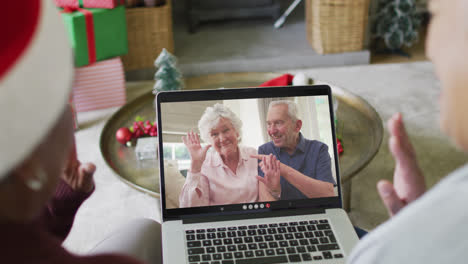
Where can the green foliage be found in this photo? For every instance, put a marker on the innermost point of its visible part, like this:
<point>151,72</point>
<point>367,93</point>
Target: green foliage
<point>168,77</point>
<point>397,23</point>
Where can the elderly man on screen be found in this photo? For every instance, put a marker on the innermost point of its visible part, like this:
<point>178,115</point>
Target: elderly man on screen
<point>292,167</point>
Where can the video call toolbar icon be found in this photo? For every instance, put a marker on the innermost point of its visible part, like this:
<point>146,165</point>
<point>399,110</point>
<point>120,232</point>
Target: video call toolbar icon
<point>255,206</point>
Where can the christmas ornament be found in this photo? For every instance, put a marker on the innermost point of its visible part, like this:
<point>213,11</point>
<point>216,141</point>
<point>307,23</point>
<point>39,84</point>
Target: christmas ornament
<point>340,147</point>
<point>140,128</point>
<point>397,23</point>
<point>123,135</point>
<point>168,77</point>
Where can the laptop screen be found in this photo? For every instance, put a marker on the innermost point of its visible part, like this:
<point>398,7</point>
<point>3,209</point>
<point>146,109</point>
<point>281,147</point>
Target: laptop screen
<point>247,150</point>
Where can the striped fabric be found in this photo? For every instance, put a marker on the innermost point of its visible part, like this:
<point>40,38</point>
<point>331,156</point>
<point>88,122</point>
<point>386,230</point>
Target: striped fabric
<point>100,85</point>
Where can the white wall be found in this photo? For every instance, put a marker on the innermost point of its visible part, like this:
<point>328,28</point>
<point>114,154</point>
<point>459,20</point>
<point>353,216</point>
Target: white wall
<point>247,111</point>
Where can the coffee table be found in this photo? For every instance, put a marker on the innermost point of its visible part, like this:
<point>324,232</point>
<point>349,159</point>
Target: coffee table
<point>359,125</point>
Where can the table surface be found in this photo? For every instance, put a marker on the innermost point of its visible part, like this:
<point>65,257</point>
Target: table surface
<point>409,88</point>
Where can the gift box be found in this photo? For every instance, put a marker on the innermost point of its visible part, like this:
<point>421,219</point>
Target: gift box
<point>100,85</point>
<point>96,34</point>
<point>89,3</point>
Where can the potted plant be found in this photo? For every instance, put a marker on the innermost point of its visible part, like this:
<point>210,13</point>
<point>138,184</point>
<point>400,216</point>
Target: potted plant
<point>396,23</point>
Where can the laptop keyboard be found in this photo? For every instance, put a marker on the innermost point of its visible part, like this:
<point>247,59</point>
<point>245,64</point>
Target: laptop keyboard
<point>263,243</point>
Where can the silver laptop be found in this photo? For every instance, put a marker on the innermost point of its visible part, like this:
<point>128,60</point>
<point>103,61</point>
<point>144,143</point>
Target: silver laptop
<point>293,226</point>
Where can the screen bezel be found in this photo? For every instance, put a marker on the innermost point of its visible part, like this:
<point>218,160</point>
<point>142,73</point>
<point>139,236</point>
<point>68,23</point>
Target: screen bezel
<point>245,93</point>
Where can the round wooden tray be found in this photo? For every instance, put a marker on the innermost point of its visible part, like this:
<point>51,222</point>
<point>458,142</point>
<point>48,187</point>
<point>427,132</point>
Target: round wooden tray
<point>360,126</point>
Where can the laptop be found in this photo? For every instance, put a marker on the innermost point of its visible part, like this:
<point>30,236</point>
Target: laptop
<point>287,230</point>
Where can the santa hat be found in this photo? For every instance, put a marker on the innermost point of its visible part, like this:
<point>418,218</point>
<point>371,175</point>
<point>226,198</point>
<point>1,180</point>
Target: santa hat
<point>36,71</point>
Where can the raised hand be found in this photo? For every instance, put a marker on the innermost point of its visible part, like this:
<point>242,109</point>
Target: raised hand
<point>408,179</point>
<point>196,151</point>
<point>77,175</point>
<point>270,167</point>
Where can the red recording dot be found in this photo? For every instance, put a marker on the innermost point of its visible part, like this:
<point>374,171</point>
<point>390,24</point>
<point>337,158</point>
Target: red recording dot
<point>267,205</point>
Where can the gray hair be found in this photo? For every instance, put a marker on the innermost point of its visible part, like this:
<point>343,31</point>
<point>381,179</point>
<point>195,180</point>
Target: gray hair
<point>292,108</point>
<point>211,118</point>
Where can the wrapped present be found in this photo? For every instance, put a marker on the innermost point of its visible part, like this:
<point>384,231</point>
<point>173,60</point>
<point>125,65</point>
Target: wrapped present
<point>96,34</point>
<point>100,85</point>
<point>89,3</point>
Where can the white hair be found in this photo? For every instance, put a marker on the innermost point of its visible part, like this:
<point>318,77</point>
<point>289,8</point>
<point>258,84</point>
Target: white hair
<point>211,118</point>
<point>292,108</point>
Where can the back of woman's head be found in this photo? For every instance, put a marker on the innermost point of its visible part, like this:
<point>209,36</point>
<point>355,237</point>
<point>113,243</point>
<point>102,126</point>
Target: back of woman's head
<point>36,71</point>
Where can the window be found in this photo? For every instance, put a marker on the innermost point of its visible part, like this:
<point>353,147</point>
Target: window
<point>177,151</point>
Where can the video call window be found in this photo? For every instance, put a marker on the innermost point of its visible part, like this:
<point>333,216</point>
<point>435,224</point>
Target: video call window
<point>217,181</point>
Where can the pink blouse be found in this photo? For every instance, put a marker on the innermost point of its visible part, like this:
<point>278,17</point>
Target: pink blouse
<point>217,183</point>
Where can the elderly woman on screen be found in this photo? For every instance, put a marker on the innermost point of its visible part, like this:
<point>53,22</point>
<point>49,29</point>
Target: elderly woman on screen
<point>226,175</point>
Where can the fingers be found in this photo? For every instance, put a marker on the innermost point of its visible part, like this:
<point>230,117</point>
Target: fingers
<point>196,139</point>
<point>258,156</point>
<point>399,136</point>
<point>266,161</point>
<point>389,197</point>
<point>188,139</point>
<point>261,179</point>
<point>273,162</point>
<point>87,169</point>
<point>191,137</point>
<point>262,166</point>
<point>85,177</point>
<point>408,180</point>
<point>392,124</point>
<point>72,163</point>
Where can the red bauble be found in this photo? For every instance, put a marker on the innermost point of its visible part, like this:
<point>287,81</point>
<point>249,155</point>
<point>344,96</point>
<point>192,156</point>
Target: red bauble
<point>123,135</point>
<point>340,147</point>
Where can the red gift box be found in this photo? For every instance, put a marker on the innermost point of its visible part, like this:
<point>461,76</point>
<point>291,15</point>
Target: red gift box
<point>100,85</point>
<point>88,3</point>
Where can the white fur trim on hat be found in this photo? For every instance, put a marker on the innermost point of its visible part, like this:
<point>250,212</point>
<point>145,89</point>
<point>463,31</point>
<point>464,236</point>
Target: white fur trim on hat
<point>35,91</point>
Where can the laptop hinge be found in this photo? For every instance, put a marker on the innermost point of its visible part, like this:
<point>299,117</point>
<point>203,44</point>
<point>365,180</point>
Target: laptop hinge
<point>230,217</point>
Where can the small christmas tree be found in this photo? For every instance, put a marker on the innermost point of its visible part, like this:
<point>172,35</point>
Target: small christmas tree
<point>397,23</point>
<point>168,77</point>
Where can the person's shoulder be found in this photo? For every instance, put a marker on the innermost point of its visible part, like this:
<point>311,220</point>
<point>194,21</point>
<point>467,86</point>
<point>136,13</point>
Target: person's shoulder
<point>442,207</point>
<point>316,144</point>
<point>266,147</point>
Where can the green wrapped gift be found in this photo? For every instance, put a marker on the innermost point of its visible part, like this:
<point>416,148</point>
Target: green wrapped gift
<point>96,34</point>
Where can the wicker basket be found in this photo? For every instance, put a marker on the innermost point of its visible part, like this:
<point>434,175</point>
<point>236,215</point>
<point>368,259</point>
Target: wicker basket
<point>335,26</point>
<point>149,31</point>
